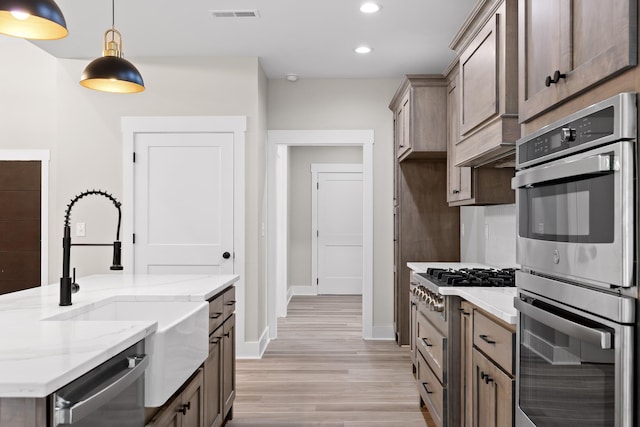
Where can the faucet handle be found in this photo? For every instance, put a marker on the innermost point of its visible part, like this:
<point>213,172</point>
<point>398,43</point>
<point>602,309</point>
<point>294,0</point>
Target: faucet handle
<point>74,286</point>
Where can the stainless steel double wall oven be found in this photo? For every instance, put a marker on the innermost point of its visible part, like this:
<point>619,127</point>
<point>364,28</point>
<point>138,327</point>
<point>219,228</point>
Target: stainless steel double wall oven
<point>576,196</point>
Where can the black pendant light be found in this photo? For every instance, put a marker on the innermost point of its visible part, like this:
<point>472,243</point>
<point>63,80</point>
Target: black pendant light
<point>111,72</point>
<point>32,19</point>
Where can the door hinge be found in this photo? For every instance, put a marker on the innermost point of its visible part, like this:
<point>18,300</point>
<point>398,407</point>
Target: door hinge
<point>317,281</point>
<point>134,157</point>
<point>134,238</point>
<point>317,185</point>
<point>317,233</point>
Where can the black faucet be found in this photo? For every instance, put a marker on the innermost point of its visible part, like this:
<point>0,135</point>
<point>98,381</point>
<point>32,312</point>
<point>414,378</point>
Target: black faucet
<point>68,286</point>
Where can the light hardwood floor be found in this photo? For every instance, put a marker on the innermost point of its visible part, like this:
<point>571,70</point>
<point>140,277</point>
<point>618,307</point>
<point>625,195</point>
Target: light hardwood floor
<point>320,372</point>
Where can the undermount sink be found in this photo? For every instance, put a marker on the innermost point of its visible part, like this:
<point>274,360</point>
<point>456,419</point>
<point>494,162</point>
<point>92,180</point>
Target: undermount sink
<point>175,350</point>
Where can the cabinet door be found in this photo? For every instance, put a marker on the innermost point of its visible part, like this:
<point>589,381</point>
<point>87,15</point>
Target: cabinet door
<point>466,364</point>
<point>213,381</point>
<point>171,415</point>
<point>192,402</point>
<point>492,394</point>
<point>479,75</point>
<point>403,123</point>
<point>228,364</point>
<point>587,41</point>
<point>459,178</point>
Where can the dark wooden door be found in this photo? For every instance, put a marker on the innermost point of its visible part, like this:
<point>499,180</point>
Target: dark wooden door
<point>20,221</point>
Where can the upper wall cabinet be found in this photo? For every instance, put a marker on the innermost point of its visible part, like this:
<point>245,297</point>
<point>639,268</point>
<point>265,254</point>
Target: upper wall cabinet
<point>418,117</point>
<point>488,83</point>
<point>466,185</point>
<point>566,47</point>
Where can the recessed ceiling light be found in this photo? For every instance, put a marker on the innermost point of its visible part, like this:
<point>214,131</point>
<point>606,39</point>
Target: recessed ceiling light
<point>362,49</point>
<point>369,8</point>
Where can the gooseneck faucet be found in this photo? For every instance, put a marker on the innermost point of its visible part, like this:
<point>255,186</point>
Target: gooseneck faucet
<point>67,285</point>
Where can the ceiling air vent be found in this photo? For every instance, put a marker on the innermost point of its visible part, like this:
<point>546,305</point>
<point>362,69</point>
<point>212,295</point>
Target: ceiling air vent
<point>235,13</point>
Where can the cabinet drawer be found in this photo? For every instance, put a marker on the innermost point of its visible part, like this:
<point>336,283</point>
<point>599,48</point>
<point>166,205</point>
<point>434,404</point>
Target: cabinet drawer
<point>229,301</point>
<point>431,391</point>
<point>216,313</point>
<point>432,344</point>
<point>494,340</point>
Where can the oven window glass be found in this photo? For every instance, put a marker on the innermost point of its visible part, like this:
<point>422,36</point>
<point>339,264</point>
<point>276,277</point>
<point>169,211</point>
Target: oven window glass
<point>563,380</point>
<point>579,211</point>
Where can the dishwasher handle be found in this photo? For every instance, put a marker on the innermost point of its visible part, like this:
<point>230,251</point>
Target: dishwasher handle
<point>66,412</point>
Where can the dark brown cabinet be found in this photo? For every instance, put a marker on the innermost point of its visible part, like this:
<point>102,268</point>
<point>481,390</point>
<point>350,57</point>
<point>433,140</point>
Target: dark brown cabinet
<point>418,116</point>
<point>567,47</point>
<point>466,185</point>
<point>184,409</point>
<point>487,86</point>
<point>220,366</point>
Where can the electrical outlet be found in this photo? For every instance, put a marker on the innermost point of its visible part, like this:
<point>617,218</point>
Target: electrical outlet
<point>80,229</point>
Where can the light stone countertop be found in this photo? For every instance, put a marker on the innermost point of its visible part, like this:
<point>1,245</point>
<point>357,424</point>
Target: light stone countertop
<point>38,356</point>
<point>497,301</point>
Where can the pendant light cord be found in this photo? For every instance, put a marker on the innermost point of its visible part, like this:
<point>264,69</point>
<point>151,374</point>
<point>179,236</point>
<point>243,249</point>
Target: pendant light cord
<point>113,14</point>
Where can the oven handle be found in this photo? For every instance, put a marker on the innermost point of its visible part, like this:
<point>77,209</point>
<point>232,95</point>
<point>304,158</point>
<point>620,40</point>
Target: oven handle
<point>594,336</point>
<point>601,163</point>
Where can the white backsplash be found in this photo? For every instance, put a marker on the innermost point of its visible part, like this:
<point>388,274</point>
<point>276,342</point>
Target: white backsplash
<point>488,235</point>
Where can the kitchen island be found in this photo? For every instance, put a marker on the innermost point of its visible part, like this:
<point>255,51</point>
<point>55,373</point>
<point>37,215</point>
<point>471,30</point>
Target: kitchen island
<point>42,350</point>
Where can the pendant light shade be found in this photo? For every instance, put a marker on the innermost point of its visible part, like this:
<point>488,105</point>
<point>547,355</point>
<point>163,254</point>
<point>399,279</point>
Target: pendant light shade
<point>111,72</point>
<point>32,19</point>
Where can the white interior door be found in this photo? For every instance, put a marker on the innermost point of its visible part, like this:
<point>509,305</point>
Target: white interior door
<point>183,192</point>
<point>339,232</point>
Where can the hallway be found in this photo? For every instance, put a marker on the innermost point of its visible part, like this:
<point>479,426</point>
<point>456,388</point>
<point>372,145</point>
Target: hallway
<point>319,372</point>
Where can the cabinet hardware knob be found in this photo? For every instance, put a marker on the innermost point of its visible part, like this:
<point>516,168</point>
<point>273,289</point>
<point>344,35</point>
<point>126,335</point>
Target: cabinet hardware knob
<point>487,340</point>
<point>226,255</point>
<point>426,388</point>
<point>487,379</point>
<point>227,334</point>
<point>557,75</point>
<point>456,191</point>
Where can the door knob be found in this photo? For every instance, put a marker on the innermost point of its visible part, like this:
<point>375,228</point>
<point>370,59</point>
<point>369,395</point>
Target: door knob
<point>226,255</point>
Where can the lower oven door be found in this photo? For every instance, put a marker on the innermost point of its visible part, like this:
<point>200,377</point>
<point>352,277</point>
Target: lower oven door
<point>573,368</point>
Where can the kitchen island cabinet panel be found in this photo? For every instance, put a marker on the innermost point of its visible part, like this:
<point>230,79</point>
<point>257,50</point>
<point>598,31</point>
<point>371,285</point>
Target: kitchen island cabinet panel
<point>184,409</point>
<point>23,412</point>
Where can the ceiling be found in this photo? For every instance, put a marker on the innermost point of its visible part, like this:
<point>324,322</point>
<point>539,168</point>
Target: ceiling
<point>310,39</point>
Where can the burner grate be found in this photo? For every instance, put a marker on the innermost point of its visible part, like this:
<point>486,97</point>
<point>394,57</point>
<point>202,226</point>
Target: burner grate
<point>485,277</point>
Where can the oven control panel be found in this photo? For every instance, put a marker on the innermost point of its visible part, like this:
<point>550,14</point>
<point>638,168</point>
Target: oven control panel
<point>584,130</point>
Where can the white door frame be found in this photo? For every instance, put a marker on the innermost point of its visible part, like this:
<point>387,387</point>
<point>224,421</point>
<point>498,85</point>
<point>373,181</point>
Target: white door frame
<point>210,124</point>
<point>43,157</point>
<point>317,168</point>
<point>276,261</point>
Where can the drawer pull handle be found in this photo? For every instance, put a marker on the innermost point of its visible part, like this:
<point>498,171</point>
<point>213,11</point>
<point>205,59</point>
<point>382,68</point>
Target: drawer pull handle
<point>227,334</point>
<point>215,315</point>
<point>465,313</point>
<point>185,408</point>
<point>230,303</point>
<point>487,379</point>
<point>214,341</point>
<point>426,342</point>
<point>487,340</point>
<point>424,385</point>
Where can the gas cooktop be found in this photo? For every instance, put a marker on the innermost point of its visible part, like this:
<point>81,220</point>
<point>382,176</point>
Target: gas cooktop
<point>484,277</point>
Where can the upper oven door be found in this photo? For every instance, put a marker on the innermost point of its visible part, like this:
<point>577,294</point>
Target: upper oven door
<point>576,216</point>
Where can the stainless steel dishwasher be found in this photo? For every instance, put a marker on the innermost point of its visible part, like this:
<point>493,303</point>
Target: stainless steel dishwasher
<point>111,394</point>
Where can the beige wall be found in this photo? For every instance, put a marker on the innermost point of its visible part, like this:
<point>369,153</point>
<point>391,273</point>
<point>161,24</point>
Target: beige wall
<point>300,160</point>
<point>351,104</point>
<point>43,106</point>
